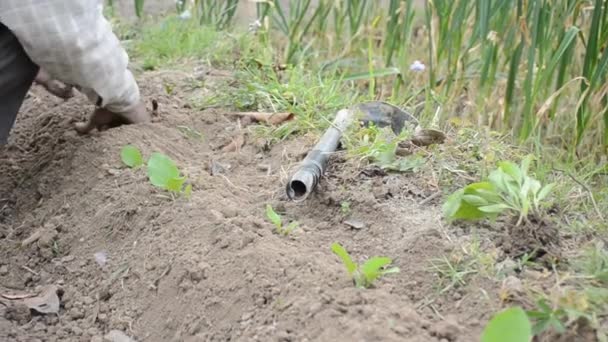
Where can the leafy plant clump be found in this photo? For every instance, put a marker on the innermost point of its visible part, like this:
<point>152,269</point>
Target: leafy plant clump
<point>276,219</point>
<point>510,325</point>
<point>162,171</point>
<point>364,275</point>
<point>508,189</point>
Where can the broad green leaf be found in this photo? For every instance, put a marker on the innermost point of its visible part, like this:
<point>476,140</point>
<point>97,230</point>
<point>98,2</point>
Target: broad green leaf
<point>372,268</point>
<point>467,211</point>
<point>475,200</point>
<point>512,170</point>
<point>494,208</point>
<point>474,187</point>
<point>161,170</point>
<point>351,267</point>
<point>131,156</point>
<point>273,216</point>
<point>452,203</point>
<point>544,192</point>
<point>510,325</point>
<point>489,195</point>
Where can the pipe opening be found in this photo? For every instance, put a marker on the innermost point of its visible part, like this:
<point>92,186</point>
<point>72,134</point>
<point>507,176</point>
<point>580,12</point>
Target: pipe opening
<point>298,188</point>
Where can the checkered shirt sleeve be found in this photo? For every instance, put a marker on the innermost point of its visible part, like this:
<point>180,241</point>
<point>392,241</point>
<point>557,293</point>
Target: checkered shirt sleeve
<point>74,43</point>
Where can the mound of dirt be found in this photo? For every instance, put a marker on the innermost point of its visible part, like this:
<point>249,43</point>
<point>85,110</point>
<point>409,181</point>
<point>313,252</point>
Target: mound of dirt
<point>131,259</point>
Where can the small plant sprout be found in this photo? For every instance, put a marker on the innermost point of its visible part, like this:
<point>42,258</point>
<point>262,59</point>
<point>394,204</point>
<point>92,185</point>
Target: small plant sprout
<point>276,219</point>
<point>364,275</point>
<point>131,156</point>
<point>163,173</point>
<point>508,189</point>
<point>510,325</point>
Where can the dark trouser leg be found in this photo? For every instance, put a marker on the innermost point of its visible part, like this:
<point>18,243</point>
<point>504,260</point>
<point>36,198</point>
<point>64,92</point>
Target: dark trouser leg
<point>17,72</point>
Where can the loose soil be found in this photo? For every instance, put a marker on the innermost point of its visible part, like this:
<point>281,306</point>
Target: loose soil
<point>211,268</point>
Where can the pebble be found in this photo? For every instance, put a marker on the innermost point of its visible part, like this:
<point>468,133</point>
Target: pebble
<point>76,313</point>
<point>117,336</point>
<point>512,285</point>
<point>88,300</point>
<point>3,270</point>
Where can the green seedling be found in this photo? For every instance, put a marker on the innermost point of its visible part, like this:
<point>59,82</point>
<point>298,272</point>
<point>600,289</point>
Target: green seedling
<point>131,156</point>
<point>510,325</point>
<point>276,219</point>
<point>163,173</point>
<point>508,189</point>
<point>546,317</point>
<point>364,275</point>
<point>345,207</point>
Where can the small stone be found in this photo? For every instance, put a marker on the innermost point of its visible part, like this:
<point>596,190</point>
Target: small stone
<point>76,313</point>
<point>217,216</point>
<point>88,300</point>
<point>229,211</point>
<point>68,258</point>
<point>97,339</point>
<point>3,270</point>
<point>355,224</point>
<point>47,237</point>
<point>512,285</point>
<point>77,331</point>
<point>117,336</point>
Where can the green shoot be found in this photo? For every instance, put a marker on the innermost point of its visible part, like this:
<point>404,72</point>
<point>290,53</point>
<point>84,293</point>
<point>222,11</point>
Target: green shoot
<point>277,221</point>
<point>510,325</point>
<point>163,173</point>
<point>508,189</point>
<point>131,156</point>
<point>364,275</point>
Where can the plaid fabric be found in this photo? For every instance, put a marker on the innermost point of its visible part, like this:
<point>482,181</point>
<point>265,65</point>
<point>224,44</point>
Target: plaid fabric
<point>74,43</point>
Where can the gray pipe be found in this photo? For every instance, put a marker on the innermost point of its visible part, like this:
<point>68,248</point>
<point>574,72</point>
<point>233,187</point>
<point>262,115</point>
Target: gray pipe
<point>306,178</point>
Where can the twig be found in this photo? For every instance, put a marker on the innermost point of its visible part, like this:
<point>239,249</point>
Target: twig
<point>587,189</point>
<point>30,270</point>
<point>430,198</point>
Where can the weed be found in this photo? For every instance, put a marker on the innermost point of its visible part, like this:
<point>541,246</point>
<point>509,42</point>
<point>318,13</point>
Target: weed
<point>455,269</point>
<point>509,188</point>
<point>276,219</point>
<point>546,317</point>
<point>345,207</point>
<point>510,325</point>
<point>364,275</point>
<point>379,146</point>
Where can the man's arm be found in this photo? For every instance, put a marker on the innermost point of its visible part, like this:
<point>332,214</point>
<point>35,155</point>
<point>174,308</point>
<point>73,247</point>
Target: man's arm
<point>73,42</point>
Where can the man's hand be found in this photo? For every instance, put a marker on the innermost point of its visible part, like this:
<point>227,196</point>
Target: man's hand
<point>53,86</point>
<point>103,119</point>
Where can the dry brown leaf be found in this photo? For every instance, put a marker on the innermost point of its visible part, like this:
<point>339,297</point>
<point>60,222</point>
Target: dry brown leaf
<point>46,301</point>
<point>269,118</point>
<point>236,144</point>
